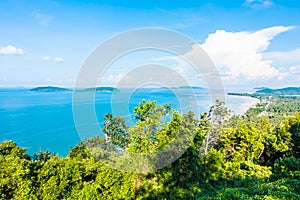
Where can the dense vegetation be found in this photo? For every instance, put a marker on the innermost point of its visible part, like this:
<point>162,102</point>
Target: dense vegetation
<point>230,157</point>
<point>262,92</point>
<point>285,91</point>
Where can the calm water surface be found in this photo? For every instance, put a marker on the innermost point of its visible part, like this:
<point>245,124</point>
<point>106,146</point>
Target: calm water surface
<point>44,121</point>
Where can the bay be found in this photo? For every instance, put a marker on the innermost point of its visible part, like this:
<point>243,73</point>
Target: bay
<point>44,120</point>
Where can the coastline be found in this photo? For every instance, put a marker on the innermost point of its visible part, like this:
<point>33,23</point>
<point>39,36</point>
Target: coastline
<point>254,103</point>
<point>240,104</point>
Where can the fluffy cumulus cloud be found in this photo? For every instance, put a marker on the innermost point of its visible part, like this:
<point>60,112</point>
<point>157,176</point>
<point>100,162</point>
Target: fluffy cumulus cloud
<point>239,55</point>
<point>242,58</point>
<point>11,50</point>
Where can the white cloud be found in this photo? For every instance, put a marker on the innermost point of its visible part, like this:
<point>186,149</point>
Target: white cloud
<point>11,50</point>
<point>58,59</point>
<point>284,59</point>
<point>291,77</point>
<point>238,55</point>
<point>46,58</point>
<point>258,3</point>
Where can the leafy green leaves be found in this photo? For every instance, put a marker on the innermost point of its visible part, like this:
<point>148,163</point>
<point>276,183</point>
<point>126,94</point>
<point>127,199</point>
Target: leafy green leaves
<point>251,158</point>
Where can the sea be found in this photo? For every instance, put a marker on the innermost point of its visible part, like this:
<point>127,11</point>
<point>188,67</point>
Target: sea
<point>40,121</point>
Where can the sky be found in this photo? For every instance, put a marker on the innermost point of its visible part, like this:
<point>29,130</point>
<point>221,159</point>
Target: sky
<point>253,43</point>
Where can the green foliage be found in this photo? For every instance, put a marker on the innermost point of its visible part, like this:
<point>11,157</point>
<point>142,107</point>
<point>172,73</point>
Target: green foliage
<point>288,167</point>
<point>10,148</point>
<point>148,110</point>
<point>242,157</point>
<point>294,129</point>
<point>42,156</point>
<point>212,122</point>
<point>80,151</point>
<point>152,130</point>
<point>15,172</point>
<point>115,130</point>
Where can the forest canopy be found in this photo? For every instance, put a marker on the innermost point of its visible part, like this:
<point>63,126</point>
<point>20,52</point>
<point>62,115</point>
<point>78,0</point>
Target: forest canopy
<point>249,156</point>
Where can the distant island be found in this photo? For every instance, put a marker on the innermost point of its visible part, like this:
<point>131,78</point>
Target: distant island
<point>50,89</point>
<point>183,87</point>
<point>190,87</point>
<point>98,89</point>
<point>282,91</point>
<point>262,91</point>
<point>60,89</point>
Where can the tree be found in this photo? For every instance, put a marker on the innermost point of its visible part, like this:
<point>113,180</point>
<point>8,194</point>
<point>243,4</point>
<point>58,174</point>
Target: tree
<point>42,156</point>
<point>212,121</point>
<point>146,134</point>
<point>295,134</point>
<point>255,158</point>
<point>116,131</point>
<point>15,173</point>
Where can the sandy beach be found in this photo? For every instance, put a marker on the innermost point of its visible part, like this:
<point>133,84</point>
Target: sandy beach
<point>240,104</point>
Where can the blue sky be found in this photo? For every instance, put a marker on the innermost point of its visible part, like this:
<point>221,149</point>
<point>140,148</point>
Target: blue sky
<point>46,42</point>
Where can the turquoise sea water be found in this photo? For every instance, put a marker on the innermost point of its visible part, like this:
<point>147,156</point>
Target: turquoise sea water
<point>38,120</point>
